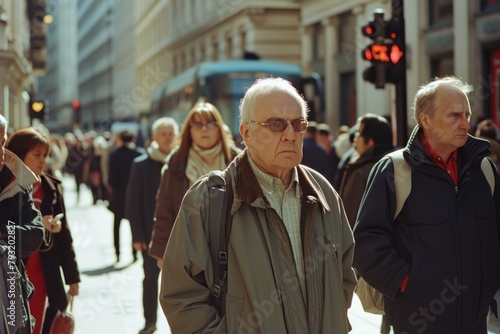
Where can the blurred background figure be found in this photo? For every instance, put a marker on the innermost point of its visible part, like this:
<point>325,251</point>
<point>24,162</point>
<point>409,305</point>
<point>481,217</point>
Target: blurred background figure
<point>372,141</point>
<point>486,129</point>
<point>347,153</point>
<point>312,154</point>
<point>324,137</point>
<point>57,157</point>
<point>203,146</point>
<point>56,253</point>
<point>78,153</point>
<point>99,191</point>
<point>140,207</point>
<point>120,164</point>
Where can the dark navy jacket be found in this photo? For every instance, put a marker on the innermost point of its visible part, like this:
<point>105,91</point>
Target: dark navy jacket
<point>446,239</point>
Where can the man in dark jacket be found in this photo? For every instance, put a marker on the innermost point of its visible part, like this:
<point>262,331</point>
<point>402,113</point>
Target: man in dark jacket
<point>140,207</point>
<point>438,262</point>
<point>120,163</point>
<point>372,141</point>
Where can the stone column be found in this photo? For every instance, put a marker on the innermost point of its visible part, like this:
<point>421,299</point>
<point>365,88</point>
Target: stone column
<point>307,50</point>
<point>461,41</point>
<point>332,80</point>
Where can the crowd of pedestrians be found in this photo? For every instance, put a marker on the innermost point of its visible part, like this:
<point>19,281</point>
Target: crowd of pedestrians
<point>310,211</point>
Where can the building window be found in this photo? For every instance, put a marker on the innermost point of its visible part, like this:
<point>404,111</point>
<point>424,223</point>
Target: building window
<point>441,12</point>
<point>488,5</point>
<point>442,66</point>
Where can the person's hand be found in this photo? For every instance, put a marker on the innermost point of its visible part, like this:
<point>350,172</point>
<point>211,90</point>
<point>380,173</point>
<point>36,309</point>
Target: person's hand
<point>140,246</point>
<point>159,263</point>
<point>73,289</point>
<point>50,225</point>
<point>47,221</point>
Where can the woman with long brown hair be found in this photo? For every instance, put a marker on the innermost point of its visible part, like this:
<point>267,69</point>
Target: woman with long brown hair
<point>203,146</point>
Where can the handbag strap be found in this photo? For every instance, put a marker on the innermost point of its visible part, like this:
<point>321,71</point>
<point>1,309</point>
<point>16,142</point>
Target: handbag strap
<point>70,305</point>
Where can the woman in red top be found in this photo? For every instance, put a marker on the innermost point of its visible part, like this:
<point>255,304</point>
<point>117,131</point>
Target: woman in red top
<point>43,267</point>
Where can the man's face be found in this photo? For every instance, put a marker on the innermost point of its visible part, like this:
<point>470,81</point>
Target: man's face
<point>448,129</point>
<point>3,140</point>
<point>164,136</point>
<point>360,143</point>
<point>276,153</point>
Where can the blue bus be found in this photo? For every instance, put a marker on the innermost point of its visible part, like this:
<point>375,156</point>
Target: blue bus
<point>223,83</point>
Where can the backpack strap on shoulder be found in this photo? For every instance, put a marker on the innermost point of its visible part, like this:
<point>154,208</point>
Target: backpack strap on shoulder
<point>489,173</point>
<point>219,226</point>
<point>402,179</point>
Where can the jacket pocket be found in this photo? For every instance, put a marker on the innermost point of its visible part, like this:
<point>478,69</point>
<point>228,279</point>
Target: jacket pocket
<point>429,234</point>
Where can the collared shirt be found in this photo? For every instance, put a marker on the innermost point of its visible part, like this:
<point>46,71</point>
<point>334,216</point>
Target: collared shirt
<point>450,166</point>
<point>286,203</point>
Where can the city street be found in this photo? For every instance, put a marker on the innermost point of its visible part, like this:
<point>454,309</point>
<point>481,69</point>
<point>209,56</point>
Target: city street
<point>111,293</point>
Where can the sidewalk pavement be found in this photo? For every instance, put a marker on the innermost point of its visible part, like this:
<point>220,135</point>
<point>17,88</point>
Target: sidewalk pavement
<point>110,299</point>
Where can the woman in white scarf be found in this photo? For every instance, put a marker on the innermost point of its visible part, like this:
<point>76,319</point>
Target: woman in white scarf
<point>203,146</point>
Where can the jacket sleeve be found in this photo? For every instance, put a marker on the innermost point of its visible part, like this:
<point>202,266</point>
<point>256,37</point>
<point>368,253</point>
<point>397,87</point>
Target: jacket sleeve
<point>349,277</point>
<point>165,214</point>
<point>134,205</point>
<point>187,270</point>
<point>65,248</point>
<point>375,257</point>
<point>29,226</point>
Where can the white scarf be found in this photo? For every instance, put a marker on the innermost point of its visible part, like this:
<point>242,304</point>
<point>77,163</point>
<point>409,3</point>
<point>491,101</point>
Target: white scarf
<point>155,153</point>
<point>196,166</point>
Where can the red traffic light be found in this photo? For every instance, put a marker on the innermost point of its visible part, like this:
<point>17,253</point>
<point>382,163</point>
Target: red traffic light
<point>384,53</point>
<point>368,31</point>
<point>75,104</point>
<point>396,54</point>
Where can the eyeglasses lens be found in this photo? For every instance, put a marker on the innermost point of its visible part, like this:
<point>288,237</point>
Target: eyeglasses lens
<point>280,124</point>
<point>200,125</point>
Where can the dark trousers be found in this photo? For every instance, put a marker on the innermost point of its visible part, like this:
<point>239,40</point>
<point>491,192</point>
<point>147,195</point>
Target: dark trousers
<point>150,288</point>
<point>116,236</point>
<point>50,313</point>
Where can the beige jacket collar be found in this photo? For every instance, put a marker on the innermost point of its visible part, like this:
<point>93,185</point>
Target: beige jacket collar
<point>24,177</point>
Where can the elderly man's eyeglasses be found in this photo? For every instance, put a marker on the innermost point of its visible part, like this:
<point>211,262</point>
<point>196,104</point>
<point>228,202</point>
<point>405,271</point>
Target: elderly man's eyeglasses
<point>276,124</point>
<point>199,125</point>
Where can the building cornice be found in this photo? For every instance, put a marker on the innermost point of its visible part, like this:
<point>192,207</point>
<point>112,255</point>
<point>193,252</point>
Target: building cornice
<point>249,9</point>
<point>315,12</point>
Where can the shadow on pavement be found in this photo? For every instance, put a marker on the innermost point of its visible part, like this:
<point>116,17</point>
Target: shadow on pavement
<point>106,270</point>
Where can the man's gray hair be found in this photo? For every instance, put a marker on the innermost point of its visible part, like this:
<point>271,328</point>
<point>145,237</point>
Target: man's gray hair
<point>4,124</point>
<point>426,96</point>
<point>263,87</point>
<point>165,121</point>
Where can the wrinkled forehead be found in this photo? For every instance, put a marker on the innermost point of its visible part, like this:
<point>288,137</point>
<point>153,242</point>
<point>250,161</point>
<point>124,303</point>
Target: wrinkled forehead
<point>279,104</point>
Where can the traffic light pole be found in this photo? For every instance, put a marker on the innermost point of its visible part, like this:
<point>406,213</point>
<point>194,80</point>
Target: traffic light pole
<point>401,101</point>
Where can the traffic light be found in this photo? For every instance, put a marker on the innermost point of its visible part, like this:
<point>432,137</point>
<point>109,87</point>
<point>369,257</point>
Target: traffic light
<point>385,53</point>
<point>76,110</point>
<point>38,109</point>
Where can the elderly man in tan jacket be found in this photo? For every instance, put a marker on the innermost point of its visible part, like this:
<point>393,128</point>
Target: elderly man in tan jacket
<point>290,248</point>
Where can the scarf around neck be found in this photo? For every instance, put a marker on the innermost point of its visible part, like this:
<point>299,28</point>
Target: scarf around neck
<point>196,166</point>
<point>155,153</point>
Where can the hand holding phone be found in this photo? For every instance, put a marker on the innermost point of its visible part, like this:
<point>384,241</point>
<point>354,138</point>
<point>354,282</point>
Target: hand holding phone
<point>55,223</point>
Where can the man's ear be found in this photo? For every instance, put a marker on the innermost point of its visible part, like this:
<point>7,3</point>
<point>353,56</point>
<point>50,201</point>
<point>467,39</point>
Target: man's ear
<point>244,133</point>
<point>425,119</point>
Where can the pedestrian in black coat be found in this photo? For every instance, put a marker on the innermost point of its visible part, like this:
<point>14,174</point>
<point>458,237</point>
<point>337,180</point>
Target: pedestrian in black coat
<point>140,207</point>
<point>120,164</point>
